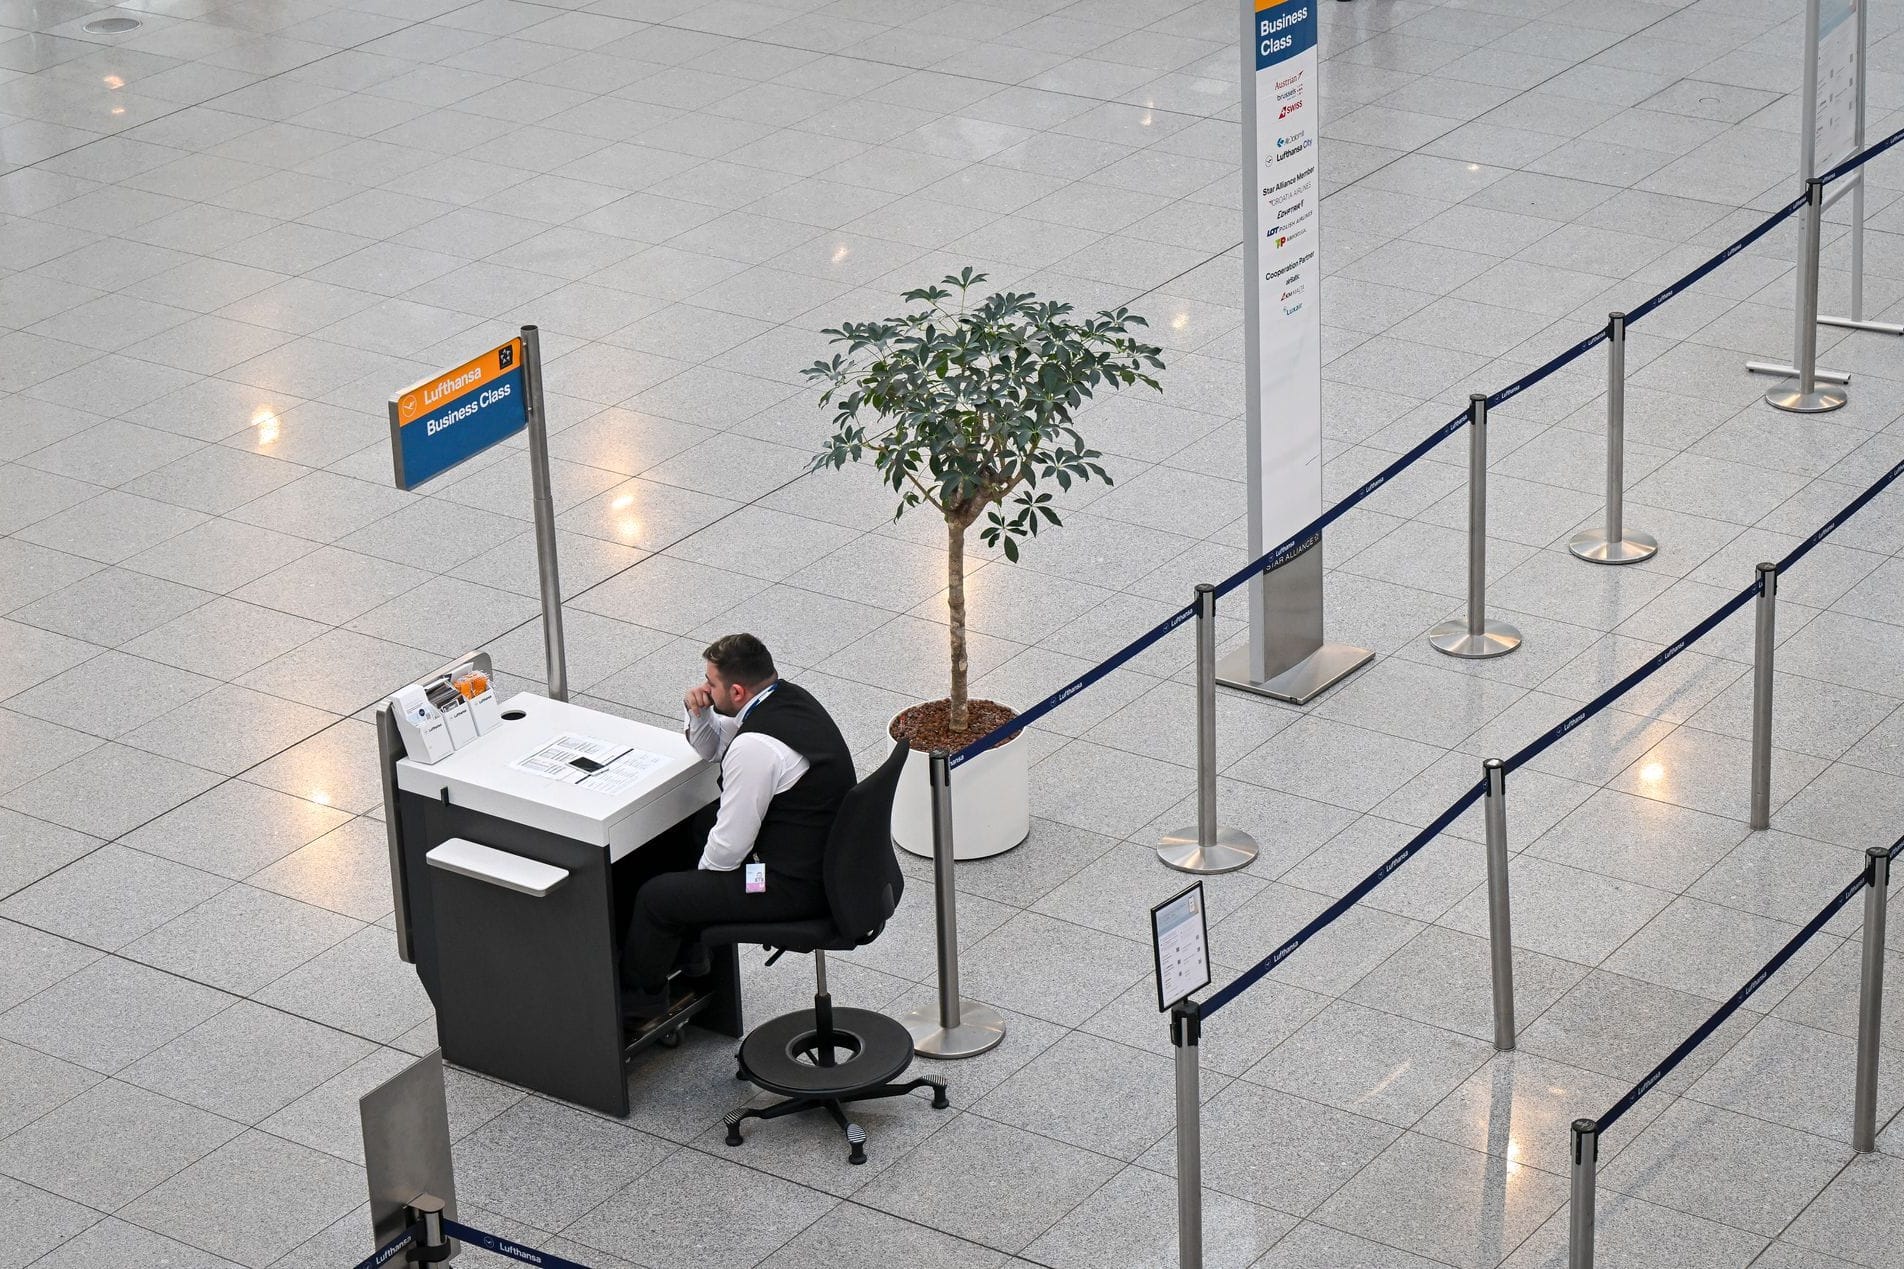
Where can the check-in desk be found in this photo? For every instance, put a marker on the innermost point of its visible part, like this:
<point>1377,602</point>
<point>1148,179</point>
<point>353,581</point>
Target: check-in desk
<point>514,890</point>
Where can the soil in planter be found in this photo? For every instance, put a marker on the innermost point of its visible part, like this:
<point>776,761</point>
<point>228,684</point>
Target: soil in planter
<point>928,727</point>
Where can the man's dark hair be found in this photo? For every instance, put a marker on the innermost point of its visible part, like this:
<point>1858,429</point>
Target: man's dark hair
<point>741,658</point>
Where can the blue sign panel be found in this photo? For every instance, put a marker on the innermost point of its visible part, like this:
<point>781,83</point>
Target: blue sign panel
<point>457,415</point>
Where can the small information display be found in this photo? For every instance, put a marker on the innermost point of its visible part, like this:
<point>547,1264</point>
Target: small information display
<point>1180,941</point>
<point>457,414</point>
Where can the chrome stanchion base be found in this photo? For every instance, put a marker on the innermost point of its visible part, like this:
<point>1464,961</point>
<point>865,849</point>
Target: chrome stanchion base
<point>1595,547</point>
<point>1301,682</point>
<point>1184,850</point>
<point>1496,639</point>
<point>1853,323</point>
<point>1784,371</point>
<point>980,1029</point>
<point>1817,401</point>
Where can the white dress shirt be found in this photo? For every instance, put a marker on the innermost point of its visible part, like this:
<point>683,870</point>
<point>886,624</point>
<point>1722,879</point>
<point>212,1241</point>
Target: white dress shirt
<point>753,769</point>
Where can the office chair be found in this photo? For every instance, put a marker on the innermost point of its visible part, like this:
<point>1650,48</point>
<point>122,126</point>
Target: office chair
<point>821,1058</point>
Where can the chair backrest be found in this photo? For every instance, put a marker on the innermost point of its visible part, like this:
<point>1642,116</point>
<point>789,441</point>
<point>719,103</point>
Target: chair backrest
<point>863,880</point>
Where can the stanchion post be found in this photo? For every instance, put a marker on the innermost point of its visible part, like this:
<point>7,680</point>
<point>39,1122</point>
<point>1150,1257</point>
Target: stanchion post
<point>956,1028</point>
<point>547,572</point>
<point>432,1245</point>
<point>1500,923</point>
<point>1864,1119</point>
<point>1586,1164</point>
<point>1764,635</point>
<point>1807,397</point>
<point>1615,544</point>
<point>1206,846</point>
<point>1186,1032</point>
<point>1476,637</point>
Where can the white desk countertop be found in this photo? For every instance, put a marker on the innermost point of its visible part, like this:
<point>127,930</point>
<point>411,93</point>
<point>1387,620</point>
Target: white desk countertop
<point>482,776</point>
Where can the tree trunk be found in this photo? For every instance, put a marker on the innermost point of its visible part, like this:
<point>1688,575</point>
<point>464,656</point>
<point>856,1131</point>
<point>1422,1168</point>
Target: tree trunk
<point>955,610</point>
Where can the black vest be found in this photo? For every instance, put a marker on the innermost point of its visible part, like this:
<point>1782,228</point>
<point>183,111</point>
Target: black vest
<point>792,837</point>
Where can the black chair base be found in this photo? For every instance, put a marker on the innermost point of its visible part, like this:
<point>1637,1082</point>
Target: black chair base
<point>820,1059</point>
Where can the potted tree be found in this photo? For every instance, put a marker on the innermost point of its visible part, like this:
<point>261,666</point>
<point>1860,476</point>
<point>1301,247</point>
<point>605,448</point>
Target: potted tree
<point>967,406</point>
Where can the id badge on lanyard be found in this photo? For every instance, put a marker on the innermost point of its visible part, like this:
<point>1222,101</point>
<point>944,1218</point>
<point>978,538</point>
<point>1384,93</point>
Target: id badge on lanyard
<point>756,875</point>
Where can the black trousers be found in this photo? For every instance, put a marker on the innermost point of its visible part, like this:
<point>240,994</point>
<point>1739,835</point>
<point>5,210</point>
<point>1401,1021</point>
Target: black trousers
<point>675,907</point>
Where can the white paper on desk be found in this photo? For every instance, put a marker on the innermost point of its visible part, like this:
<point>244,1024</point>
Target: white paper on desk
<point>555,760</point>
<point>625,772</point>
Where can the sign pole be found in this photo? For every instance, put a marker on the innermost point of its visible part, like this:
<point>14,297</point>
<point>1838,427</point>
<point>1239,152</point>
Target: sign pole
<point>1830,130</point>
<point>456,414</point>
<point>1859,65</point>
<point>1287,657</point>
<point>547,571</point>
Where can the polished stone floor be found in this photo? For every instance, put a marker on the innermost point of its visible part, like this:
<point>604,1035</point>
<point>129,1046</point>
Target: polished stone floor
<point>228,235</point>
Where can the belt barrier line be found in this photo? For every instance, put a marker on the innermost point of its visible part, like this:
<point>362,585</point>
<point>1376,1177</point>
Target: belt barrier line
<point>382,1256</point>
<point>1116,661</point>
<point>1699,274</point>
<point>508,1247</point>
<point>1548,367</point>
<point>1539,745</point>
<point>1851,508</point>
<point>1863,156</point>
<point>1739,997</point>
<point>1310,533</point>
<point>1329,915</point>
<point>1307,536</point>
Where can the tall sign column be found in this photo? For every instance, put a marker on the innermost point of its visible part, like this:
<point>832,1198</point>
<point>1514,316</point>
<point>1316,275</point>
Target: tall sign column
<point>1287,657</point>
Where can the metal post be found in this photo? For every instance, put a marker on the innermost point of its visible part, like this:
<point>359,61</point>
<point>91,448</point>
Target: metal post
<point>1764,635</point>
<point>1476,637</point>
<point>1864,1117</point>
<point>957,1028</point>
<point>1500,924</point>
<point>1857,320</point>
<point>1615,544</point>
<point>1186,1031</point>
<point>1807,397</point>
<point>1206,846</point>
<point>1586,1163</point>
<point>546,568</point>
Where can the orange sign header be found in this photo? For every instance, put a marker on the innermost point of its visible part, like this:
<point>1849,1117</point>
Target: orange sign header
<point>439,390</point>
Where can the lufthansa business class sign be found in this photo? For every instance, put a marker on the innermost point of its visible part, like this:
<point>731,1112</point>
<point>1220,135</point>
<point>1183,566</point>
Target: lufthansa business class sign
<point>457,414</point>
<point>1285,227</point>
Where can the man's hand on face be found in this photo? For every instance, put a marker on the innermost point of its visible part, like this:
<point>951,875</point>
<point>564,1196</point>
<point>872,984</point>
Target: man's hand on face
<point>698,698</point>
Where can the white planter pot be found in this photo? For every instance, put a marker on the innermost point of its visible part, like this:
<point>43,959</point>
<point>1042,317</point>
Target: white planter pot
<point>991,803</point>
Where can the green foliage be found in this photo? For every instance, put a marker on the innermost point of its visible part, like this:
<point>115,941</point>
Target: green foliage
<point>965,406</point>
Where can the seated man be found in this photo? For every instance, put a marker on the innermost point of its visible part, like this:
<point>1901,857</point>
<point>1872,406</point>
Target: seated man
<point>784,770</point>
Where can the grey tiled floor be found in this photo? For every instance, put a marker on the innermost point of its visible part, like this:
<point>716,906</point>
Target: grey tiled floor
<point>226,237</point>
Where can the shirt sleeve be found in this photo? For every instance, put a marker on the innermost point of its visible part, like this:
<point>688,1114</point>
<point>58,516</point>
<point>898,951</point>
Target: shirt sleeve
<point>750,774</point>
<point>708,732</point>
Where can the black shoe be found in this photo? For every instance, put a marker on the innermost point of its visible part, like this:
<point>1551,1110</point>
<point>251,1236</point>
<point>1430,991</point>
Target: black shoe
<point>694,961</point>
<point>638,1006</point>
